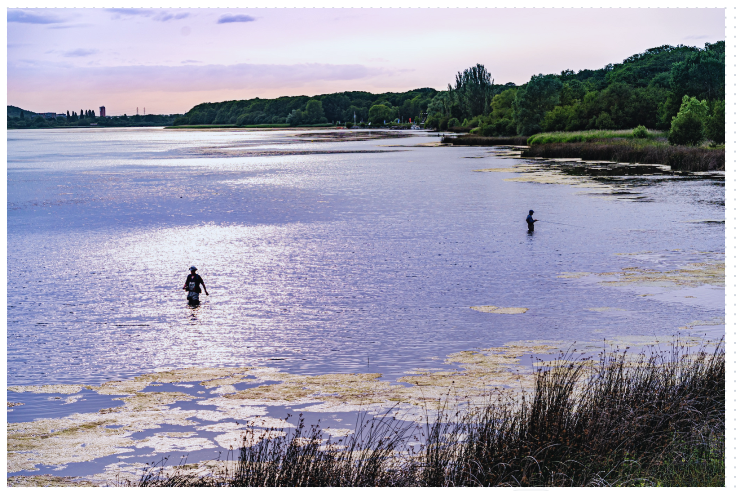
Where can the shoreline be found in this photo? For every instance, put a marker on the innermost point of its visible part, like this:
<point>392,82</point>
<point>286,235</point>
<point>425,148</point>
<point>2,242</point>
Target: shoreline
<point>140,405</point>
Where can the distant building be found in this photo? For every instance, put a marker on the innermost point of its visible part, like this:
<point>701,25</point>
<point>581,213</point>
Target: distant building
<point>102,111</point>
<point>49,115</point>
<point>61,115</point>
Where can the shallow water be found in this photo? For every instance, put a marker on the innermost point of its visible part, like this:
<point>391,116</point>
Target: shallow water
<point>325,262</point>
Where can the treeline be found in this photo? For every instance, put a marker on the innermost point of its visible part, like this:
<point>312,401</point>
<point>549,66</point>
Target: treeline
<point>653,89</point>
<point>337,108</point>
<point>25,119</point>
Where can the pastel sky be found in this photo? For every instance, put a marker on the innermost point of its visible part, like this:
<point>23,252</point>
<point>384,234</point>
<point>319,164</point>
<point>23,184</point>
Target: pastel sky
<point>168,60</point>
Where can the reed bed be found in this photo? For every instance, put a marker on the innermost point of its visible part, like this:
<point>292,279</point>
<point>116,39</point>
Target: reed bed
<point>591,135</point>
<point>680,158</point>
<point>648,420</point>
<point>485,141</point>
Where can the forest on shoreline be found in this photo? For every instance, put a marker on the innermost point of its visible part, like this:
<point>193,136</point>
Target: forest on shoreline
<point>675,89</point>
<point>647,89</point>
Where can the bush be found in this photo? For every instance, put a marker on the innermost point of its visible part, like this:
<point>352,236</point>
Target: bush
<point>715,124</point>
<point>640,132</point>
<point>686,129</point>
<point>453,123</point>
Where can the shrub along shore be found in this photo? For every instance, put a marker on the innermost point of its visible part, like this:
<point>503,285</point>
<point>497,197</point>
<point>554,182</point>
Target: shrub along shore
<point>638,146</point>
<point>680,158</point>
<point>654,420</point>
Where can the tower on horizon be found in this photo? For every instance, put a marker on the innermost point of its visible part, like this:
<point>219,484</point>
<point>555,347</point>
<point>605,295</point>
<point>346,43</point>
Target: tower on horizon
<point>102,111</point>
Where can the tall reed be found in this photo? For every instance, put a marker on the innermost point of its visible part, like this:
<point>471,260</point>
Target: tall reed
<point>680,158</point>
<point>657,419</point>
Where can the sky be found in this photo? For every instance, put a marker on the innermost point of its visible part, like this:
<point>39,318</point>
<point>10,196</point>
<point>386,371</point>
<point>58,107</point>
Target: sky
<point>169,60</point>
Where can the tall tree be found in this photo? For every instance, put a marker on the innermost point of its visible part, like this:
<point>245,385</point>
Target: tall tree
<point>314,112</point>
<point>473,90</point>
<point>701,74</point>
<point>533,100</point>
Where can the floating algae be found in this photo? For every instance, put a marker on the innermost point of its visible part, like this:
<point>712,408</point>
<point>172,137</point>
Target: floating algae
<point>47,389</point>
<point>166,443</point>
<point>421,394</point>
<point>193,374</point>
<point>338,432</point>
<point>491,309</point>
<point>694,274</point>
<point>88,436</point>
<point>302,389</point>
<point>46,480</point>
<point>689,276</point>
<point>716,321</point>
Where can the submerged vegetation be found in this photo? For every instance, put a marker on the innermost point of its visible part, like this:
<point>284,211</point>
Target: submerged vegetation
<point>622,420</point>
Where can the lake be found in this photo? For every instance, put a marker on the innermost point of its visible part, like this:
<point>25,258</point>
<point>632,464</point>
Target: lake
<point>324,253</point>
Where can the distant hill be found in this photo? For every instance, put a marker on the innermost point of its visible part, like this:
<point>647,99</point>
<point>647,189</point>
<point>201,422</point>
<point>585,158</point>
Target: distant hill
<point>15,112</point>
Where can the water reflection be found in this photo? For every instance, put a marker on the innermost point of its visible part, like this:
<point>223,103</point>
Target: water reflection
<point>324,261</point>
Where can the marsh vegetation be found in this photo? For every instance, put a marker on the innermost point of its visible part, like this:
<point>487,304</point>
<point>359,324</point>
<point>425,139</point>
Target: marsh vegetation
<point>656,419</point>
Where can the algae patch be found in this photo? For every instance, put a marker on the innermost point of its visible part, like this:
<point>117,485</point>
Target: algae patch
<point>491,309</point>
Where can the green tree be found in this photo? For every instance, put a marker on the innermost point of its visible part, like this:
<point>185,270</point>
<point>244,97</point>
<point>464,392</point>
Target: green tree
<point>533,100</point>
<point>701,74</point>
<point>687,127</point>
<point>314,112</point>
<point>473,90</point>
<point>296,118</point>
<point>502,104</point>
<point>715,124</point>
<point>380,113</point>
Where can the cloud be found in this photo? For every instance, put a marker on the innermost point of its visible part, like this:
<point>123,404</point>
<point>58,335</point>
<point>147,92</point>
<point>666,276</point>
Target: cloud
<point>80,52</point>
<point>26,17</point>
<point>158,15</point>
<point>182,78</point>
<point>166,16</point>
<point>70,26</point>
<point>130,12</point>
<point>227,19</point>
<point>703,36</point>
<point>185,62</point>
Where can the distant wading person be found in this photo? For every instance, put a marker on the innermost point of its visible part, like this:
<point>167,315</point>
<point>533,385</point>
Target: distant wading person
<point>192,285</point>
<point>530,220</point>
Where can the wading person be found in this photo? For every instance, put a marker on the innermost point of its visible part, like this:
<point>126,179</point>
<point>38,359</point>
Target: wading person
<point>192,285</point>
<point>530,220</point>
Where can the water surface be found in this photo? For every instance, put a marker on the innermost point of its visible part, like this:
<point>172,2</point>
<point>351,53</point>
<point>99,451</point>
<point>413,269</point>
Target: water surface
<point>320,262</point>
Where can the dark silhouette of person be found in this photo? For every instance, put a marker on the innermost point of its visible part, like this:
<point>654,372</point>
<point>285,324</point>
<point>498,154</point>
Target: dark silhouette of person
<point>530,220</point>
<point>192,285</point>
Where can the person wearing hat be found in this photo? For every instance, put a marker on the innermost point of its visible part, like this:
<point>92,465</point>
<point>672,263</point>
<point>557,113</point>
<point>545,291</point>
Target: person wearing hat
<point>530,220</point>
<point>192,285</point>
